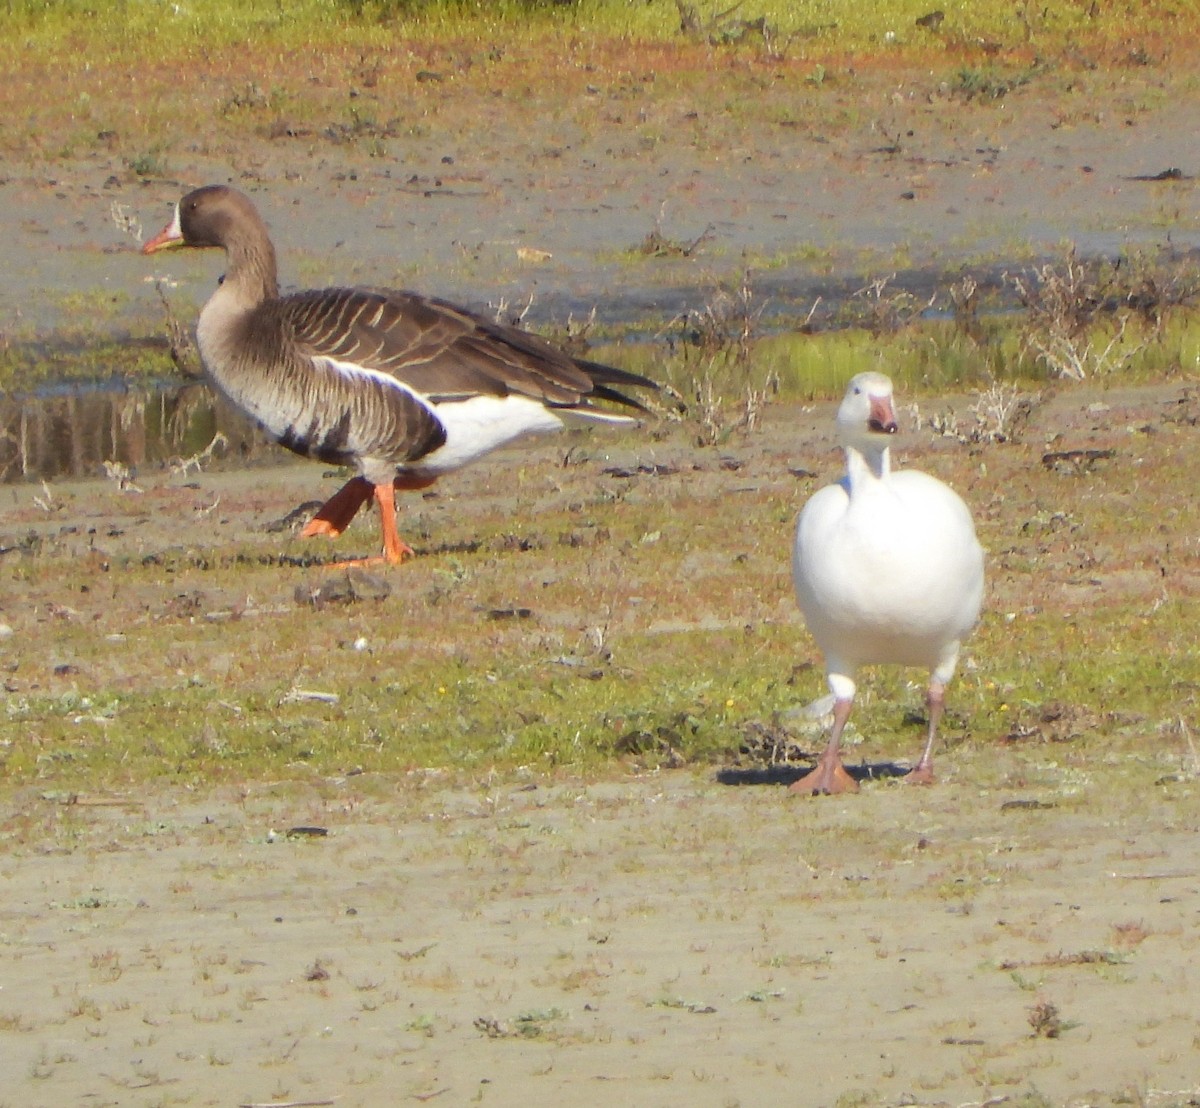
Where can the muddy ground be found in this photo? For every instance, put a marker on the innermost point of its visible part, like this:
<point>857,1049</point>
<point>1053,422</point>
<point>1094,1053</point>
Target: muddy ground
<point>894,173</point>
<point>1022,932</point>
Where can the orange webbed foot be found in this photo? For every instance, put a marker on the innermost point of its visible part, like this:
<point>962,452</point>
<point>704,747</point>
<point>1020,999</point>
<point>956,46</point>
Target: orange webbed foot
<point>319,526</point>
<point>335,514</point>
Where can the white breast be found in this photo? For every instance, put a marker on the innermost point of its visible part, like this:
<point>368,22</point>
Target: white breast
<point>892,573</point>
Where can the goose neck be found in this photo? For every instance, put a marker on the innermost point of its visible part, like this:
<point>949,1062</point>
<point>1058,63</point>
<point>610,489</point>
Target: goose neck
<point>251,272</point>
<point>863,467</point>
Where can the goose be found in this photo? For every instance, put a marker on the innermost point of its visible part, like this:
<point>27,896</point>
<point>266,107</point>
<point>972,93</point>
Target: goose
<point>402,386</point>
<point>887,570</point>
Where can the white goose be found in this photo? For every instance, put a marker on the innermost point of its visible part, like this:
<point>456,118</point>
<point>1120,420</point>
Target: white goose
<point>404,387</point>
<point>887,570</point>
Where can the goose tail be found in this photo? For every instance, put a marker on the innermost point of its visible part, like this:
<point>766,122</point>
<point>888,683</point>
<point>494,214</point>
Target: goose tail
<point>607,382</point>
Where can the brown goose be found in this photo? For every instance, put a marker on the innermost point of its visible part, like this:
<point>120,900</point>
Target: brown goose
<point>404,387</point>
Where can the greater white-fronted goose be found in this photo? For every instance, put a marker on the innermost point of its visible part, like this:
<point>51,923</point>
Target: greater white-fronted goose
<point>887,569</point>
<point>404,387</point>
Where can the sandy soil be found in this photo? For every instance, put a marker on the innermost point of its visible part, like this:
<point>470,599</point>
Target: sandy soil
<point>654,942</point>
<point>681,937</point>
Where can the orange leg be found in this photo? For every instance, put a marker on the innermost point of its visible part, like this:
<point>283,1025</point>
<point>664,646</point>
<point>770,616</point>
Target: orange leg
<point>830,776</point>
<point>337,512</point>
<point>395,549</point>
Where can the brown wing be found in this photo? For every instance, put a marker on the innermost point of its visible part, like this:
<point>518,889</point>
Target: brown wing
<point>444,352</point>
<point>321,404</point>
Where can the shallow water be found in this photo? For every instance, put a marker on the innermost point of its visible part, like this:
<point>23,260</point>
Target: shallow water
<point>117,431</point>
<point>114,429</point>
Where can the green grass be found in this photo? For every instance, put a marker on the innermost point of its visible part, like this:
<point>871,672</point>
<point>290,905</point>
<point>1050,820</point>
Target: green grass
<point>661,627</point>
<point>789,364</point>
<point>490,705</point>
<point>839,25</point>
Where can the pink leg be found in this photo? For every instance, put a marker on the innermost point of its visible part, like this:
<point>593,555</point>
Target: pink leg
<point>922,772</point>
<point>830,776</point>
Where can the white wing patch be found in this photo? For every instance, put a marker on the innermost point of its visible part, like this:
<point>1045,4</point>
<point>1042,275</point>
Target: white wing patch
<point>353,371</point>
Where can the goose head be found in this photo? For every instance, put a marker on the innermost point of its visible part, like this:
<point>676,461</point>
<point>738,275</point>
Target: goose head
<point>215,216</point>
<point>221,217</point>
<point>866,418</point>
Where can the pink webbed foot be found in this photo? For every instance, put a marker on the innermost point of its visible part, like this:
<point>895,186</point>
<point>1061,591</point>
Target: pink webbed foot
<point>920,774</point>
<point>827,779</point>
<point>829,776</point>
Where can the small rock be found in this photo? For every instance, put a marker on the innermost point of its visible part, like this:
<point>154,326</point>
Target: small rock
<point>354,585</point>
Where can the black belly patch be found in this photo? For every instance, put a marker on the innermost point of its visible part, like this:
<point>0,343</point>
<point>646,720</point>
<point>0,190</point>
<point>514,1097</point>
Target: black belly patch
<point>326,444</point>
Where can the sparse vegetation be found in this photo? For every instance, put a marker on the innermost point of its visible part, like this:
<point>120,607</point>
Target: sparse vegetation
<point>570,676</point>
<point>471,831</point>
<point>989,84</point>
<point>1046,1021</point>
<point>1135,316</point>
